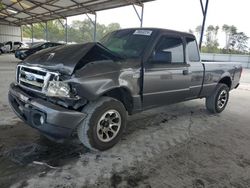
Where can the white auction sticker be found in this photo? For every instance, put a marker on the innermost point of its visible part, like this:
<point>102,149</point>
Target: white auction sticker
<point>143,32</point>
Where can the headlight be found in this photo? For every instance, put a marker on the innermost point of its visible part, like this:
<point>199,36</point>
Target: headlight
<point>58,89</point>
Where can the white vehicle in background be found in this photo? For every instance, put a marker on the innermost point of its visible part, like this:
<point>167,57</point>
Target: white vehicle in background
<point>2,48</point>
<point>19,45</point>
<point>22,45</point>
<point>11,46</point>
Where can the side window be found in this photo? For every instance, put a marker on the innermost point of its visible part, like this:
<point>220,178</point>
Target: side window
<point>49,45</point>
<point>192,50</point>
<point>169,50</point>
<point>46,45</point>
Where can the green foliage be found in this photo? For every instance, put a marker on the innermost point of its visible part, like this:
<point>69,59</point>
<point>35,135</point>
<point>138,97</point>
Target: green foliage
<point>236,42</point>
<point>1,6</point>
<point>211,38</point>
<point>55,31</point>
<point>78,31</point>
<point>196,32</point>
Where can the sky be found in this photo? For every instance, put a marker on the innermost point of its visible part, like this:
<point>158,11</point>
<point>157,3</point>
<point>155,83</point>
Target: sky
<point>180,15</point>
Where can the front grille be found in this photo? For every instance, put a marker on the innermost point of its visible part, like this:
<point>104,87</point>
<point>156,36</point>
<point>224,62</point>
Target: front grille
<point>35,78</point>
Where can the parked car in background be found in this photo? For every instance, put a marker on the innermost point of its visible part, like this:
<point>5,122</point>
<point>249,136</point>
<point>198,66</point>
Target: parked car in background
<point>11,46</point>
<point>2,48</point>
<point>15,46</point>
<point>19,45</point>
<point>7,47</point>
<point>24,53</point>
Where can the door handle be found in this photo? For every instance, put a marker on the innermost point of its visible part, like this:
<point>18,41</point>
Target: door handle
<point>186,72</point>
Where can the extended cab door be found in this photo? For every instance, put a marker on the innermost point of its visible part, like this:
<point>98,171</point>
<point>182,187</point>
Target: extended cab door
<point>166,75</point>
<point>196,68</point>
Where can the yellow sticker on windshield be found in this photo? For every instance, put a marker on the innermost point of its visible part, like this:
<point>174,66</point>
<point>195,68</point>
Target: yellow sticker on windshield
<point>143,32</point>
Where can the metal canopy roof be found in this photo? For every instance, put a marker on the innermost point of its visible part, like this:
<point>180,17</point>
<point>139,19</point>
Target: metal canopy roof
<point>21,12</point>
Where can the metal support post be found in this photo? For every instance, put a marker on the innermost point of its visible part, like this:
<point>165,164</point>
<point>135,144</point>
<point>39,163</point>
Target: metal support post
<point>140,17</point>
<point>95,27</point>
<point>66,30</point>
<point>21,29</point>
<point>65,26</point>
<point>32,33</point>
<point>94,24</point>
<point>204,12</point>
<point>142,14</point>
<point>46,31</point>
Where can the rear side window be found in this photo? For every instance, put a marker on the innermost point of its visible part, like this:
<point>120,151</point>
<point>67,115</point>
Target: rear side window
<point>192,50</point>
<point>169,50</point>
<point>48,45</point>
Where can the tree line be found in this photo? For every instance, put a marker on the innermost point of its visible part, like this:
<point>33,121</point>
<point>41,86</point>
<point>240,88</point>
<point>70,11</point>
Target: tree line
<point>78,31</point>
<point>235,41</point>
<point>1,6</point>
<point>82,31</point>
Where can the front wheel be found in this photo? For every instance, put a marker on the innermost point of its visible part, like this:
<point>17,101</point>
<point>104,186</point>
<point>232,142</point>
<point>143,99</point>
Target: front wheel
<point>104,125</point>
<point>217,102</point>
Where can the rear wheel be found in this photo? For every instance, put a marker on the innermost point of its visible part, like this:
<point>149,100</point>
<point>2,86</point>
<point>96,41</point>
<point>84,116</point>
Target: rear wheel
<point>217,102</point>
<point>104,125</point>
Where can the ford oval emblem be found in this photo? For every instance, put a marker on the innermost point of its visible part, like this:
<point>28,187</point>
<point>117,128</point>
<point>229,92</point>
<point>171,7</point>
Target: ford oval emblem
<point>30,77</point>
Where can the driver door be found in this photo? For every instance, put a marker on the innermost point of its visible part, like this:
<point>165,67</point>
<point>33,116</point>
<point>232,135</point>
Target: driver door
<point>166,75</point>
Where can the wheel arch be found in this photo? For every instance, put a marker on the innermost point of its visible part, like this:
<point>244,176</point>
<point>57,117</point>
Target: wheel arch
<point>123,95</point>
<point>226,80</point>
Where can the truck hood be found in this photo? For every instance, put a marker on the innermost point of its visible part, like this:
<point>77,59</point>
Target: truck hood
<point>68,58</point>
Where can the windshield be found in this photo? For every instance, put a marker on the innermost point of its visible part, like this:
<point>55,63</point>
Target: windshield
<point>127,43</point>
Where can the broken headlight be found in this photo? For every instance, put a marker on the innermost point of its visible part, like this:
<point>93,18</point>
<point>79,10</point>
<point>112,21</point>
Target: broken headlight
<point>58,89</point>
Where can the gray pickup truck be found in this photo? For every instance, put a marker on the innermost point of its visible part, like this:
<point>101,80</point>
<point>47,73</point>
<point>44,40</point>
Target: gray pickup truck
<point>88,90</point>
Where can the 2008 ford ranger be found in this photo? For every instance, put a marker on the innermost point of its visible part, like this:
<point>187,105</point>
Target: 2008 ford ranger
<point>88,89</point>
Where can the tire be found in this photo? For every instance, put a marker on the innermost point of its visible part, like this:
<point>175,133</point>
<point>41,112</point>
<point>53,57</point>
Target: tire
<point>217,102</point>
<point>105,122</point>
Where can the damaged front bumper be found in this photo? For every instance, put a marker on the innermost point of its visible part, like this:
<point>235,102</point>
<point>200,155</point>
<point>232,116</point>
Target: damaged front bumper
<point>52,120</point>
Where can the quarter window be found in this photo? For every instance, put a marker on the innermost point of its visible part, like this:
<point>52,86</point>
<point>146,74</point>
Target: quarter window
<point>169,50</point>
<point>192,50</point>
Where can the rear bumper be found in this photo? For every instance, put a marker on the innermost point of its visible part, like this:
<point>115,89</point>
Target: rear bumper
<point>50,119</point>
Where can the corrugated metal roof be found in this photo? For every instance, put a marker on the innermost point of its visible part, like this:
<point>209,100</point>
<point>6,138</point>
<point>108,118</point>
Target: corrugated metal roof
<point>21,12</point>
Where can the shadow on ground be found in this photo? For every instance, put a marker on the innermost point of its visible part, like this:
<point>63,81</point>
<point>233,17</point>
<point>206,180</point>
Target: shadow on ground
<point>23,151</point>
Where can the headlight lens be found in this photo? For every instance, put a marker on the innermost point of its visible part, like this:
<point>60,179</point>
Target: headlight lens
<point>58,89</point>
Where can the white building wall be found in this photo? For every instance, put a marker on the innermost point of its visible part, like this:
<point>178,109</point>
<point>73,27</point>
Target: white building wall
<point>10,33</point>
<point>243,59</point>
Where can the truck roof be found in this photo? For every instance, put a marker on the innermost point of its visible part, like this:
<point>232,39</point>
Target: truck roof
<point>161,30</point>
